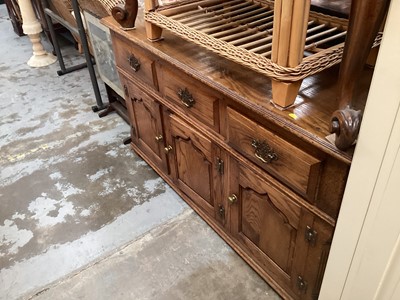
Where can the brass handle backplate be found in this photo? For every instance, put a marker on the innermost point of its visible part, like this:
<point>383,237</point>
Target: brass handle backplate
<point>232,199</point>
<point>263,151</point>
<point>134,62</point>
<point>186,97</point>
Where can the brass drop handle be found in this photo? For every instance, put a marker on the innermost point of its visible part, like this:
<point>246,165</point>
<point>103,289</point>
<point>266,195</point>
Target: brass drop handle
<point>186,97</point>
<point>159,138</point>
<point>134,63</point>
<point>232,199</point>
<point>168,149</point>
<point>263,151</point>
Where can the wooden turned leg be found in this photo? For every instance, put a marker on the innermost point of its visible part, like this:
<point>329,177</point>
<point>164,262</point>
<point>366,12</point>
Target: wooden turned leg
<point>290,30</point>
<point>153,32</point>
<point>284,93</point>
<point>360,37</point>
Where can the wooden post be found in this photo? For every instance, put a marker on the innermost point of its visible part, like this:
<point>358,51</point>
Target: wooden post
<point>289,34</point>
<point>33,28</point>
<point>360,37</point>
<point>153,32</point>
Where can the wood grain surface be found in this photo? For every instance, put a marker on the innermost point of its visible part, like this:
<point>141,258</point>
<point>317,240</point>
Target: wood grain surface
<point>308,119</point>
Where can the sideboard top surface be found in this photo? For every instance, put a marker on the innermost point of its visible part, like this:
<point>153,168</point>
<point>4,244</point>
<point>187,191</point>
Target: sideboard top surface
<point>309,118</point>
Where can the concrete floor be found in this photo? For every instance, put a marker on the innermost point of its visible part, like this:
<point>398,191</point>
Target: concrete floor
<point>83,217</point>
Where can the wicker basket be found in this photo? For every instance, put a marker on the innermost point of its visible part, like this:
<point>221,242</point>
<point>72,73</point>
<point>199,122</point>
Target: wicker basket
<point>284,42</point>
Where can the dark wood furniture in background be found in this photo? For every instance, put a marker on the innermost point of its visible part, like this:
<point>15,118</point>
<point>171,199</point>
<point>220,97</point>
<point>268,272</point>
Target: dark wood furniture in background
<point>263,178</point>
<point>15,16</point>
<point>339,8</point>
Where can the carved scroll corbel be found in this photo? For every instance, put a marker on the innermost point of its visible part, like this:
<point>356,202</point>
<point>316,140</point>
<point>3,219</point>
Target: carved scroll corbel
<point>126,15</point>
<point>345,124</point>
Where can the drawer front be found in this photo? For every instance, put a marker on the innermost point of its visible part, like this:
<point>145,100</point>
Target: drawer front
<point>281,159</point>
<point>192,97</point>
<point>135,61</point>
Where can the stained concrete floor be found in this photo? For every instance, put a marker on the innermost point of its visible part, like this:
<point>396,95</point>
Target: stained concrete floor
<point>81,215</point>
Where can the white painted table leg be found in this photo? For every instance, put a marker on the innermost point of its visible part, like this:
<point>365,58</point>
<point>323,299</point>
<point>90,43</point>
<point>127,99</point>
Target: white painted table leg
<point>32,28</point>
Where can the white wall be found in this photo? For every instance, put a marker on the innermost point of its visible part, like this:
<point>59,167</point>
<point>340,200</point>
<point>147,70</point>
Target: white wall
<point>365,256</point>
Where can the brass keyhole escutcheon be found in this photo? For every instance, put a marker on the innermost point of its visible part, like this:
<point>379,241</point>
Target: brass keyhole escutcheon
<point>221,211</point>
<point>232,199</point>
<point>159,138</point>
<point>134,99</point>
<point>168,149</point>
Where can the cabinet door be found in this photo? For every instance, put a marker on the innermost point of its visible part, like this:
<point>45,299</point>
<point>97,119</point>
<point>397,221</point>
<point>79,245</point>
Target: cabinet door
<point>193,161</point>
<point>148,130</point>
<point>276,231</point>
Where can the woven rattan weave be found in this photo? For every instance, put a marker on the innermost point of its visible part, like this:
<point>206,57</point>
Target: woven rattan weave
<point>241,30</point>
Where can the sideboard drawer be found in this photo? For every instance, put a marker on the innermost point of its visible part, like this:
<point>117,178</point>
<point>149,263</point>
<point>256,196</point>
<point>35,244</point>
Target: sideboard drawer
<point>192,97</point>
<point>135,61</point>
<point>281,159</point>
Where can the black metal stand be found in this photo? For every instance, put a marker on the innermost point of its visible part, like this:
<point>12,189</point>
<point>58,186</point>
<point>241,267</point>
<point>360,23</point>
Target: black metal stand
<point>50,15</point>
<point>116,103</point>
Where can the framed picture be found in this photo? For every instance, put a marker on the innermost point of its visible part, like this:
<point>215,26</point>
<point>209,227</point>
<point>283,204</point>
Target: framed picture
<point>100,39</point>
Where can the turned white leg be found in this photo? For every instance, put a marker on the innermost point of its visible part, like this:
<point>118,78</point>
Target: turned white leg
<point>32,28</point>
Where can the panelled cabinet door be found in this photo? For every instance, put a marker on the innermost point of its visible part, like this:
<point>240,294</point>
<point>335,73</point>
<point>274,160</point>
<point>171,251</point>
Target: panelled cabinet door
<point>272,228</point>
<point>192,160</point>
<point>148,135</point>
<point>129,107</point>
<point>318,235</point>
